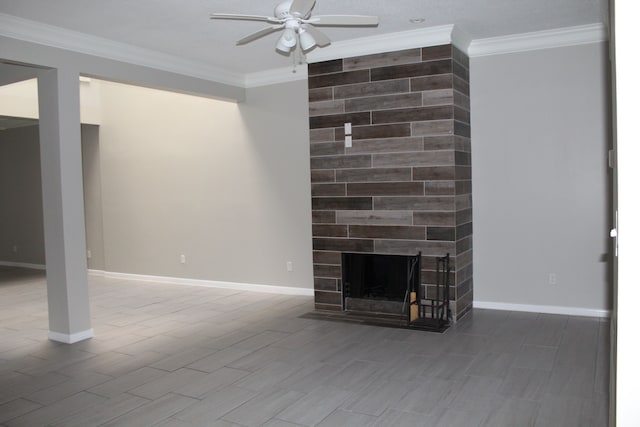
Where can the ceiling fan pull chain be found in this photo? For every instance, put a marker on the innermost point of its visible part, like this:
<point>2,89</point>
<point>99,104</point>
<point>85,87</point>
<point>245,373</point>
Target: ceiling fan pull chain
<point>302,58</point>
<point>293,57</point>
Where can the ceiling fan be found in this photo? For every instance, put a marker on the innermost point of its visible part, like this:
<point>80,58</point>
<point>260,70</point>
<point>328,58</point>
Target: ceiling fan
<point>294,17</point>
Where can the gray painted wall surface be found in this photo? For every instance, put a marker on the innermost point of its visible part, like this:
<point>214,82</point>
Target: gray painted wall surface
<point>21,197</point>
<point>225,184</point>
<point>540,179</point>
<point>92,188</point>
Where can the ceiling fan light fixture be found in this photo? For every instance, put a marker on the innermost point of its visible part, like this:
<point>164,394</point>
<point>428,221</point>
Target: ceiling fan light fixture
<point>306,41</point>
<point>287,40</point>
<point>282,48</point>
<point>295,18</point>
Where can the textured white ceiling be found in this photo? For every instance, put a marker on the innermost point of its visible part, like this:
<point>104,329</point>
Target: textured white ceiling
<point>182,27</point>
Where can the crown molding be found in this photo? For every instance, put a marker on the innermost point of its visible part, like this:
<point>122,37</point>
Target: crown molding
<point>276,76</point>
<point>460,39</point>
<point>560,37</point>
<point>49,35</point>
<point>430,36</point>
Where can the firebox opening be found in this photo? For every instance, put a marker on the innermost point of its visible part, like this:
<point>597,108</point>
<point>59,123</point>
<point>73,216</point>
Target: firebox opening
<point>378,283</point>
<point>375,277</point>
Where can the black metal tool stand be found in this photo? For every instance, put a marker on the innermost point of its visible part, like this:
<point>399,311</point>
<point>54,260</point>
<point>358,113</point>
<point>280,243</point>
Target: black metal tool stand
<point>433,313</point>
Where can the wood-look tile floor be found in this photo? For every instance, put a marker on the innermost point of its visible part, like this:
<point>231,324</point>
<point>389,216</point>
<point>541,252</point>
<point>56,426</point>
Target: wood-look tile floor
<point>191,356</point>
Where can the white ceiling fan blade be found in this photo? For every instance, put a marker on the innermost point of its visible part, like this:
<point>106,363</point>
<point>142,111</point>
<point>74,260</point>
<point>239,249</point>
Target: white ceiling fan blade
<point>254,36</point>
<point>239,17</point>
<point>321,39</point>
<point>344,20</point>
<point>301,8</point>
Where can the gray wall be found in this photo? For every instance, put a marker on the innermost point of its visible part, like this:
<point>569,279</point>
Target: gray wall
<point>225,184</point>
<point>540,192</point>
<point>92,191</point>
<point>21,197</point>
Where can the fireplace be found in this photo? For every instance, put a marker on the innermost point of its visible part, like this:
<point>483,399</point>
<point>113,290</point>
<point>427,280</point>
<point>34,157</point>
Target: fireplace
<point>379,283</point>
<point>387,290</point>
<point>400,184</point>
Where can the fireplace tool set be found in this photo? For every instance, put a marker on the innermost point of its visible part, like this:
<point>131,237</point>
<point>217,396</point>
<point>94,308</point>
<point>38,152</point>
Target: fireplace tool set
<point>425,311</point>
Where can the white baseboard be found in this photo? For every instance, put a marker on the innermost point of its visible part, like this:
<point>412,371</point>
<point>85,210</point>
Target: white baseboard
<point>93,272</point>
<point>285,290</point>
<point>23,265</point>
<point>253,287</point>
<point>547,309</point>
<point>71,338</point>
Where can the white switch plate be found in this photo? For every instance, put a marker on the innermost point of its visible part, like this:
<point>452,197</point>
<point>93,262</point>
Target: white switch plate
<point>183,259</point>
<point>289,266</point>
<point>347,141</point>
<point>347,128</point>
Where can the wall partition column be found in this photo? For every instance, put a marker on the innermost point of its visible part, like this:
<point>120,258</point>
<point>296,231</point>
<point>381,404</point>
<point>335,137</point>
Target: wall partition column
<point>63,205</point>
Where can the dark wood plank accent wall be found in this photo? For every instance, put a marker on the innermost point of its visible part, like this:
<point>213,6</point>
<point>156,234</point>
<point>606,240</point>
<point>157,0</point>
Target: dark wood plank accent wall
<point>405,184</point>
